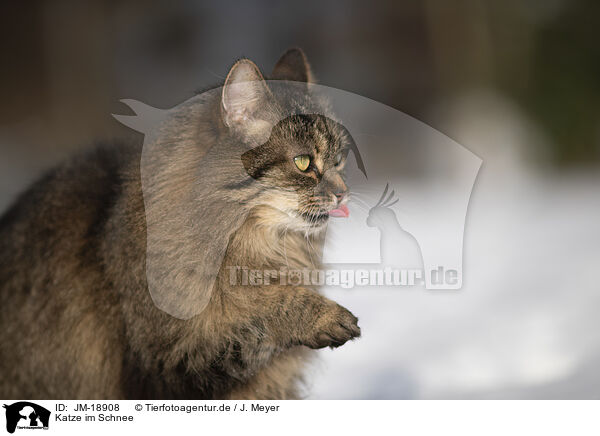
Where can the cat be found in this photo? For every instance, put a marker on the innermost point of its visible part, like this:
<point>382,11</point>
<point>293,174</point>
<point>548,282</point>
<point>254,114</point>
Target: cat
<point>77,320</point>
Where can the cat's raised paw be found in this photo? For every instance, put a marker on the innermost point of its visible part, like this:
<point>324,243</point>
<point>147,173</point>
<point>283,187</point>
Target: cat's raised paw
<point>334,328</point>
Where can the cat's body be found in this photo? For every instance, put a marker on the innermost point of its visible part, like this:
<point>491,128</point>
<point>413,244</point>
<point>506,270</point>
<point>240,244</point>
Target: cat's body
<point>77,320</point>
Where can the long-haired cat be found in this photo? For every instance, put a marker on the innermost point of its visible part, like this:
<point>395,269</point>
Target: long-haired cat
<point>77,320</point>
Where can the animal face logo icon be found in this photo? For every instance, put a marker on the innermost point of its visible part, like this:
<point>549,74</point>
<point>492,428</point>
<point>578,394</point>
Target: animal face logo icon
<point>26,415</point>
<point>418,220</point>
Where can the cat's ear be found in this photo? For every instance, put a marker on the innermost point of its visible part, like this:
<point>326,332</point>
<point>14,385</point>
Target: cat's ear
<point>245,95</point>
<point>294,66</point>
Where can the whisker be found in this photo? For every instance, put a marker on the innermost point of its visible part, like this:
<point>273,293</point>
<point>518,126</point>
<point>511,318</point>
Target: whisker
<point>361,202</point>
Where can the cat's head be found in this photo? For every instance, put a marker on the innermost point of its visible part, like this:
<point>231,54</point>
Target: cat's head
<point>297,160</point>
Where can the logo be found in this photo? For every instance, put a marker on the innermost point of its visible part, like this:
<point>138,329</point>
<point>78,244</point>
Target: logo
<point>26,415</point>
<point>408,215</point>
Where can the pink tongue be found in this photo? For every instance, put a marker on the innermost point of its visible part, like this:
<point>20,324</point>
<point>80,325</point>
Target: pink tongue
<point>341,212</point>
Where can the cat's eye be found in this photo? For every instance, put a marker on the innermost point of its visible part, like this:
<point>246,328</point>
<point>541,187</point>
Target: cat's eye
<point>302,162</point>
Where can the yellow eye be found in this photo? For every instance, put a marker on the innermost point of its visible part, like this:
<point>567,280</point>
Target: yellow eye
<point>302,162</point>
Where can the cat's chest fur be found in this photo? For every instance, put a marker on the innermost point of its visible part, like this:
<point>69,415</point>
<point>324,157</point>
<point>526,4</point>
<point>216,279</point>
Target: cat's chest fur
<point>259,247</point>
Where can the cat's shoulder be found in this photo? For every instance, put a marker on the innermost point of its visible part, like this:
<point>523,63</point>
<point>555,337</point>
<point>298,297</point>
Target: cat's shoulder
<point>87,181</point>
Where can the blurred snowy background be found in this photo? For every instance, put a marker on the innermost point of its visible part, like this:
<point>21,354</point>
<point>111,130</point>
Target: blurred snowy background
<point>517,83</point>
<point>525,324</point>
